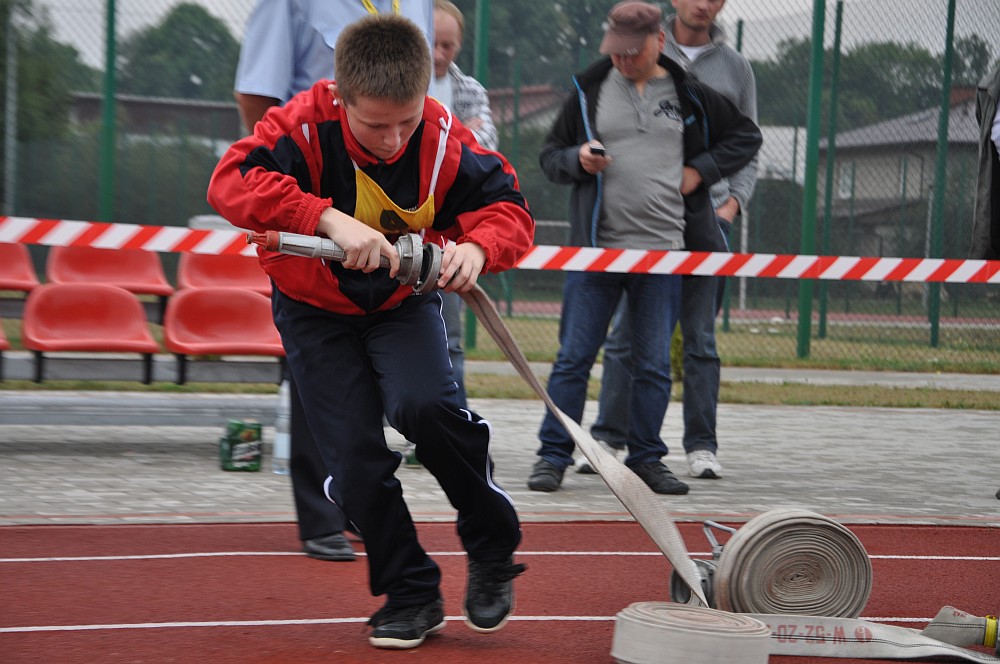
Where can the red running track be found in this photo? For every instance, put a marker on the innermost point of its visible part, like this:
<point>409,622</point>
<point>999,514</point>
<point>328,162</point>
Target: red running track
<point>137,594</point>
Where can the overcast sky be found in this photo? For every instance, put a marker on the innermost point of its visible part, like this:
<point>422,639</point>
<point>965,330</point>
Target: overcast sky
<point>766,22</point>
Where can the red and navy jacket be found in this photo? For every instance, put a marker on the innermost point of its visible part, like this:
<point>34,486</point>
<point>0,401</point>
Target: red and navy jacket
<point>298,162</point>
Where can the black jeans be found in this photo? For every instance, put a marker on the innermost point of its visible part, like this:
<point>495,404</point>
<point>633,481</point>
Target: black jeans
<point>352,369</point>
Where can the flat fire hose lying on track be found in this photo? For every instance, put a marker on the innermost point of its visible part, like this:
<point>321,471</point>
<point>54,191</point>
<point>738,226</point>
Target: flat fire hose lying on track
<point>774,571</point>
<point>658,632</point>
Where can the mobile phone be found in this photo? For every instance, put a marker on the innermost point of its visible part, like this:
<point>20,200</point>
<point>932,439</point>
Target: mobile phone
<point>598,150</point>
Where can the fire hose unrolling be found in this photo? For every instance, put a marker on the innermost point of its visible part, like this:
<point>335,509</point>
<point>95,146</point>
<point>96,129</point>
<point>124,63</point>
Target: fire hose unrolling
<point>789,582</point>
<point>419,263</point>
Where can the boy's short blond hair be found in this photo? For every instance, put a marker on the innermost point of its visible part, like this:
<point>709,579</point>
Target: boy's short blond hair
<point>385,57</point>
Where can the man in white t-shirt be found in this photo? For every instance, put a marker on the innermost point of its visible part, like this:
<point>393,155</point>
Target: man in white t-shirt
<point>288,45</point>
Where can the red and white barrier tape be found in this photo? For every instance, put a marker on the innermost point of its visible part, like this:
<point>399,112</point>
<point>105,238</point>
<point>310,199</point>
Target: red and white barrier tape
<point>56,232</point>
<point>777,266</point>
<point>63,233</point>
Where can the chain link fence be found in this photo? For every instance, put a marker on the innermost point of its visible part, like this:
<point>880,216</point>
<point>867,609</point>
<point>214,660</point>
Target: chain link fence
<point>892,178</point>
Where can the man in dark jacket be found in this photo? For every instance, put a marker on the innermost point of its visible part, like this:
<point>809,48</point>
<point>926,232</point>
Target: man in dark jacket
<point>640,142</point>
<point>986,219</point>
<point>986,216</point>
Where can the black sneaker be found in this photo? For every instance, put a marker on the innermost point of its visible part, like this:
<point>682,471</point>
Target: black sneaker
<point>406,627</point>
<point>329,547</point>
<point>545,476</point>
<point>659,478</point>
<point>489,596</point>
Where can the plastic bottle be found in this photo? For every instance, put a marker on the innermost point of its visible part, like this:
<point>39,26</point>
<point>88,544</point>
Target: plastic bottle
<point>282,431</point>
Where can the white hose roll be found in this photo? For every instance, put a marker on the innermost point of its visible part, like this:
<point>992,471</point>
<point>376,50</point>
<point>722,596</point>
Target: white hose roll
<point>793,561</point>
<point>669,633</point>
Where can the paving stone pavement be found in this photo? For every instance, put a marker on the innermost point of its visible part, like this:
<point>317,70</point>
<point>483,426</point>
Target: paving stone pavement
<point>118,458</point>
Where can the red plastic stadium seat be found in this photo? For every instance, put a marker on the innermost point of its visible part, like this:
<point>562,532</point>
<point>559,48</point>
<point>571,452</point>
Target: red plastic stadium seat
<point>135,270</point>
<point>219,321</point>
<point>222,271</point>
<point>86,318</point>
<point>17,273</point>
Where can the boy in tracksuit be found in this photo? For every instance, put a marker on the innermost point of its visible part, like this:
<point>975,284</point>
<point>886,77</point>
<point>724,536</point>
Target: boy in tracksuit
<point>360,161</point>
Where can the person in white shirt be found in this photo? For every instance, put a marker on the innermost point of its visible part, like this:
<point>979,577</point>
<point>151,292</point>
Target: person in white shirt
<point>288,45</point>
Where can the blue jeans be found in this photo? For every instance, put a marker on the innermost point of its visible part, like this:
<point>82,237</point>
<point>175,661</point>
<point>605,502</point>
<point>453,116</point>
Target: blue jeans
<point>701,299</point>
<point>589,301</point>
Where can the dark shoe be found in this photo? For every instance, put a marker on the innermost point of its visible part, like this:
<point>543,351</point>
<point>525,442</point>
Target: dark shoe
<point>406,627</point>
<point>489,596</point>
<point>545,476</point>
<point>328,547</point>
<point>659,478</point>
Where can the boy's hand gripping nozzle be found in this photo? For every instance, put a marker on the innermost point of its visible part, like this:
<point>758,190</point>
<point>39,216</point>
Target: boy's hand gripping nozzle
<point>419,263</point>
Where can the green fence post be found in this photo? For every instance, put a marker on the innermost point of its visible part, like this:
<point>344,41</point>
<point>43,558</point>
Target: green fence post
<point>789,284</point>
<point>963,213</point>
<point>810,176</point>
<point>481,58</point>
<point>10,113</point>
<point>726,290</point>
<point>899,228</point>
<point>831,143</point>
<point>850,285</point>
<point>934,250</point>
<point>107,187</point>
<point>481,66</point>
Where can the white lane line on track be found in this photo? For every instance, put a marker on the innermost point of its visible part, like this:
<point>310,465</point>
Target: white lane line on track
<point>902,557</point>
<point>325,621</point>
<point>224,554</point>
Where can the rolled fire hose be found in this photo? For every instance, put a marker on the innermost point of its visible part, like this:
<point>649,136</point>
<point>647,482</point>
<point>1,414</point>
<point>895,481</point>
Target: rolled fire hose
<point>807,578</point>
<point>786,561</point>
<point>646,632</point>
<point>794,561</point>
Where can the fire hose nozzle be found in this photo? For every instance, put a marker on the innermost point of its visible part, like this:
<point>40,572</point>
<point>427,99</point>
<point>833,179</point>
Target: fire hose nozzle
<point>419,263</point>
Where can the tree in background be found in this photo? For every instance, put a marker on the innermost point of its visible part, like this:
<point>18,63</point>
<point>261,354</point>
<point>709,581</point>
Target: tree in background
<point>190,54</point>
<point>162,179</point>
<point>551,41</point>
<point>47,73</point>
<point>972,61</point>
<point>878,80</point>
